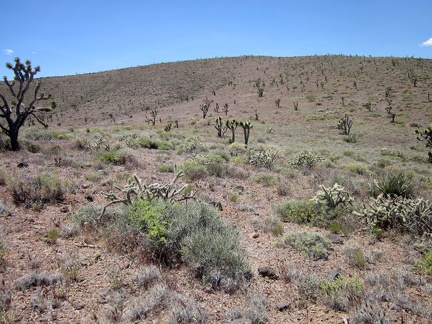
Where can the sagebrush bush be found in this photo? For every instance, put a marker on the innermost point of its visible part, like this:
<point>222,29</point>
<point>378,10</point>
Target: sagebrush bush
<point>36,191</point>
<point>207,244</point>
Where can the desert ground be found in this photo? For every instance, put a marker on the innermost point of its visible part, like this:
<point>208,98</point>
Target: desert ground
<point>296,203</point>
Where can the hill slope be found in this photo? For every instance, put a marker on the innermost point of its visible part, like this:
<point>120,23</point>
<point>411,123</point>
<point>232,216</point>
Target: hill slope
<point>60,260</point>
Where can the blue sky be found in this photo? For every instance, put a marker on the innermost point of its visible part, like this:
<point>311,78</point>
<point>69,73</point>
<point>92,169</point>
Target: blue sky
<point>73,36</point>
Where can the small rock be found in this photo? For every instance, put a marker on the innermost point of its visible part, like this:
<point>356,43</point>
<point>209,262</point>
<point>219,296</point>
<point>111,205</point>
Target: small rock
<point>64,209</point>
<point>268,272</point>
<point>335,239</point>
<point>282,306</point>
<point>334,275</point>
<point>77,304</point>
<point>85,186</point>
<point>22,165</point>
<point>89,197</point>
<point>241,321</point>
<point>255,235</point>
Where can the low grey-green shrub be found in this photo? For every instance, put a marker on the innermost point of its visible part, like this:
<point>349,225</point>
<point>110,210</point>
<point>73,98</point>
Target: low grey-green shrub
<point>312,244</point>
<point>207,244</point>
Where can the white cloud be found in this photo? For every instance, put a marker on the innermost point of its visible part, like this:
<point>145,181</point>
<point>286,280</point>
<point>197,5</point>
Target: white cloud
<point>427,43</point>
<point>8,52</point>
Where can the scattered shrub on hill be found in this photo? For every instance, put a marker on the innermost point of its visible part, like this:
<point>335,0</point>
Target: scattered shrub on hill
<point>207,244</point>
<point>312,244</point>
<point>342,293</point>
<point>425,265</point>
<point>36,191</point>
<point>300,211</point>
<point>192,145</point>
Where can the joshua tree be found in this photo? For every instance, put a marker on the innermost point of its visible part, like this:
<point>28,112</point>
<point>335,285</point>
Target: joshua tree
<point>259,85</point>
<point>232,126</point>
<point>389,108</point>
<point>220,127</point>
<point>277,102</point>
<point>295,105</point>
<point>225,109</point>
<point>205,106</point>
<point>153,114</point>
<point>345,124</point>
<point>368,106</point>
<point>16,108</point>
<point>246,125</point>
<point>426,135</point>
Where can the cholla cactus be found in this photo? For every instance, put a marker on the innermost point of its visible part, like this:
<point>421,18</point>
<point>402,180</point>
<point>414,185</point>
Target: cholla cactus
<point>399,212</point>
<point>135,188</point>
<point>306,159</point>
<point>265,157</point>
<point>332,197</point>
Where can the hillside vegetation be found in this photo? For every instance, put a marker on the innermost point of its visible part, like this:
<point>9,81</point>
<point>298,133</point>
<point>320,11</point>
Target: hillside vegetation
<point>136,205</point>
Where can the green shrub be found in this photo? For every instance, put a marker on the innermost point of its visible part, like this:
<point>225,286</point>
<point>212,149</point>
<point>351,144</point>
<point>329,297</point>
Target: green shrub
<point>233,198</point>
<point>355,257</point>
<point>52,235</point>
<point>351,138</point>
<point>342,292</point>
<point>147,216</point>
<point>266,179</point>
<point>148,143</point>
<point>111,157</point>
<point>217,169</point>
<point>166,168</point>
<point>312,244</point>
<point>425,265</point>
<point>193,170</point>
<point>192,145</point>
<point>47,134</point>
<point>392,183</point>
<point>301,211</point>
<point>32,147</point>
<point>36,191</point>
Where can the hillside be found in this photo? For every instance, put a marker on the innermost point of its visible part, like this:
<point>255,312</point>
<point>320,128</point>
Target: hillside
<point>62,261</point>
